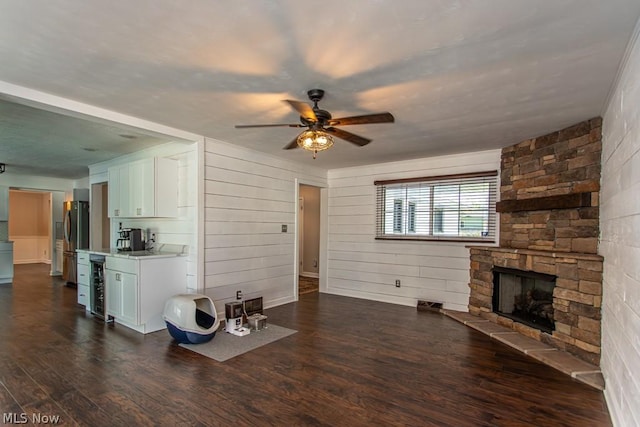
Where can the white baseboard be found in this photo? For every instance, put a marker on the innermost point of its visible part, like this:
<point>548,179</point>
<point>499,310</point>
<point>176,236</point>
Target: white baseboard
<point>32,261</point>
<point>279,301</point>
<point>309,274</point>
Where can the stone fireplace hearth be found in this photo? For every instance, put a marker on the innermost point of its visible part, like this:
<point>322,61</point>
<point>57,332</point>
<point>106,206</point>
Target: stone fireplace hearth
<point>577,296</point>
<point>549,225</point>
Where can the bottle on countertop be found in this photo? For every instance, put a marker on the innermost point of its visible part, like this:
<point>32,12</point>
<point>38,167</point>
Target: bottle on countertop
<point>150,240</point>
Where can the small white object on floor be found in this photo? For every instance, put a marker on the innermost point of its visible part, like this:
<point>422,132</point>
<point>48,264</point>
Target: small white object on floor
<point>241,331</point>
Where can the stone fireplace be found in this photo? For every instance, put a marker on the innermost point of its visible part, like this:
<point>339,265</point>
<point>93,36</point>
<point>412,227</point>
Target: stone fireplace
<point>524,297</point>
<point>549,227</point>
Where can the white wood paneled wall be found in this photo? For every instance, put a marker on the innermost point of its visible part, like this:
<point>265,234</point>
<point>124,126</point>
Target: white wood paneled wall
<point>360,266</point>
<point>619,243</point>
<point>248,197</point>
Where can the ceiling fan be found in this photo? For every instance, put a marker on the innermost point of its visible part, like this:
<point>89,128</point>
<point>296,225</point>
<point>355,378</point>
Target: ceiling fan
<point>322,127</point>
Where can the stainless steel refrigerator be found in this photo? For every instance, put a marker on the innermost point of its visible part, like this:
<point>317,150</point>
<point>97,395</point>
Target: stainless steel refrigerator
<point>76,236</point>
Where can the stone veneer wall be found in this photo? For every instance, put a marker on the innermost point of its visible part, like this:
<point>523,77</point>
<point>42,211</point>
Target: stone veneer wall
<point>559,241</point>
<point>560,163</point>
<point>577,297</point>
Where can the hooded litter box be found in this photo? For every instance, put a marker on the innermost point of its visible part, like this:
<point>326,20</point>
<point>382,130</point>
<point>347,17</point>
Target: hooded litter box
<point>191,318</point>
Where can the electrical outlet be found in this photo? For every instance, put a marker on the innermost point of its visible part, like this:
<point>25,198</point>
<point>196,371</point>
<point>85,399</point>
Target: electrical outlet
<point>315,263</point>
<point>238,295</point>
<point>397,283</point>
<point>284,228</point>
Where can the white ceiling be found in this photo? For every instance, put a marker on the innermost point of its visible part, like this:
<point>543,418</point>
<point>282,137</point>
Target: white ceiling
<point>35,141</point>
<point>457,75</point>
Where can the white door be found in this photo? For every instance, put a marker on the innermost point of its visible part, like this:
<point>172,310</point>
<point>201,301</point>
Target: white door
<point>129,298</point>
<point>113,292</point>
<point>142,187</point>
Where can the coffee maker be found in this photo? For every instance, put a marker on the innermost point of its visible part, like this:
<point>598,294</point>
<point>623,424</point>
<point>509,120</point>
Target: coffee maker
<point>130,240</point>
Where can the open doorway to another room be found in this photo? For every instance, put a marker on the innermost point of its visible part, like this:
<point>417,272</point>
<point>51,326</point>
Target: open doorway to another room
<point>30,227</point>
<point>308,239</point>
<point>99,234</point>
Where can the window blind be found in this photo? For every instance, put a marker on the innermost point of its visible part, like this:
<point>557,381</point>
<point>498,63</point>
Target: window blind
<point>452,207</point>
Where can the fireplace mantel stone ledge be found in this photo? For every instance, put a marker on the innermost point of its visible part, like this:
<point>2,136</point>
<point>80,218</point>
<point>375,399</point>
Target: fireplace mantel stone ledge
<point>544,353</point>
<point>534,252</point>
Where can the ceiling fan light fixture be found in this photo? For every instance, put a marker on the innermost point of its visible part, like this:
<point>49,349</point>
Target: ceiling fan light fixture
<point>315,140</point>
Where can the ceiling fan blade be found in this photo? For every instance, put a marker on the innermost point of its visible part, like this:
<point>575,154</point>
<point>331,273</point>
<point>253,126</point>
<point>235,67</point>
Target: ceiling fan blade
<point>270,126</point>
<point>363,120</point>
<point>348,136</point>
<point>292,144</point>
<point>304,109</point>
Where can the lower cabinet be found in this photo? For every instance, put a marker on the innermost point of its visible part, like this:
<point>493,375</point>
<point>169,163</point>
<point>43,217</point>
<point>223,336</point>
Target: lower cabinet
<point>122,296</point>
<point>83,279</point>
<point>6,262</point>
<point>59,255</point>
<point>137,289</point>
<point>83,296</point>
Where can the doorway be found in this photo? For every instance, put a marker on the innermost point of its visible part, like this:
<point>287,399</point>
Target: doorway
<point>100,232</point>
<point>309,200</point>
<point>35,227</point>
<point>30,226</point>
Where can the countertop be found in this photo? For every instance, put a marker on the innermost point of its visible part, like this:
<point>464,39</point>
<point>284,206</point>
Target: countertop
<point>160,253</point>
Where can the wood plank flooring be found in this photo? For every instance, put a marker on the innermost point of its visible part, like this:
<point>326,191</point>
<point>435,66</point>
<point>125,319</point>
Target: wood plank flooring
<point>306,285</point>
<point>353,362</point>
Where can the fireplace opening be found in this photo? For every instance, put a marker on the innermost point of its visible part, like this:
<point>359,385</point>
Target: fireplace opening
<point>525,297</point>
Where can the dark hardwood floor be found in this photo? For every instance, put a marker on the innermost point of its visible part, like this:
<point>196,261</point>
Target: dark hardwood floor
<point>353,362</point>
<point>306,285</point>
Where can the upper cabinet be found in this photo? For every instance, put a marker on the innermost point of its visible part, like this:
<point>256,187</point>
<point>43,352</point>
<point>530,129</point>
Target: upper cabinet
<point>119,191</point>
<point>4,203</point>
<point>144,188</point>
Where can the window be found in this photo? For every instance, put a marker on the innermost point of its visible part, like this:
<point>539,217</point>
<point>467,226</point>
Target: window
<point>438,214</point>
<point>397,215</point>
<point>452,207</point>
<point>411,220</point>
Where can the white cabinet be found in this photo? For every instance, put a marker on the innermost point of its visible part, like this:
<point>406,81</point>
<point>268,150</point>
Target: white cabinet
<point>6,262</point>
<point>144,188</point>
<point>59,254</point>
<point>4,203</point>
<point>119,191</point>
<point>83,272</point>
<point>122,296</point>
<point>113,292</point>
<point>137,289</point>
<point>83,296</point>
